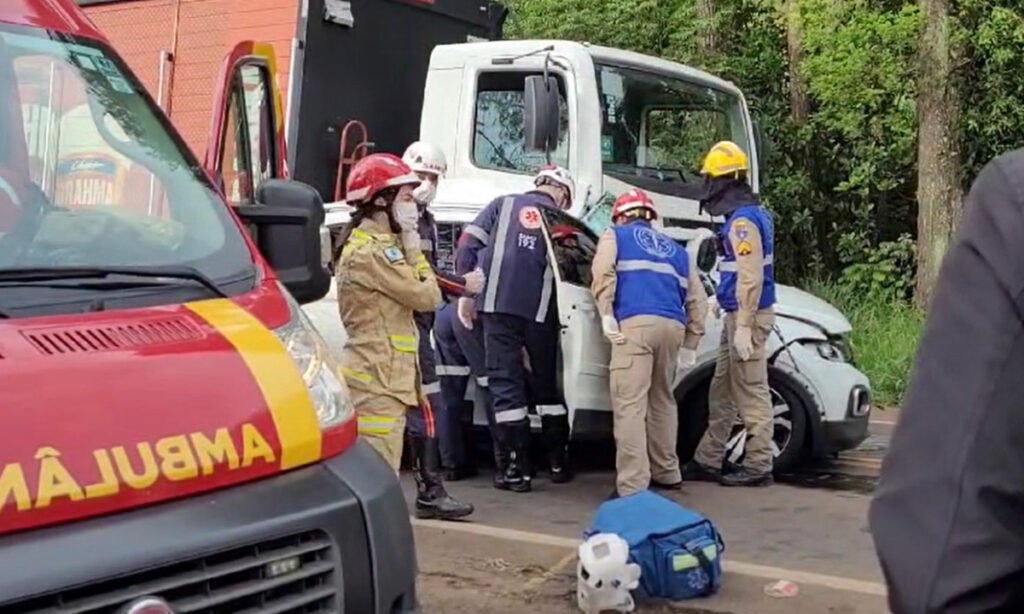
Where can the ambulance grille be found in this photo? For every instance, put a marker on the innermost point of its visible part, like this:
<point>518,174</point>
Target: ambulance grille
<point>297,574</point>
<point>113,337</point>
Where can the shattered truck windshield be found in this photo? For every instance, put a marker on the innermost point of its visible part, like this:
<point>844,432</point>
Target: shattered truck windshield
<point>657,128</point>
<point>91,177</point>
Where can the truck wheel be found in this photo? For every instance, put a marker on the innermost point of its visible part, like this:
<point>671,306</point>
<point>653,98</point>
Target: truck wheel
<point>790,417</point>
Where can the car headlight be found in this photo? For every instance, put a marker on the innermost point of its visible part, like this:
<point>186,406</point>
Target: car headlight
<point>318,367</point>
<point>834,349</point>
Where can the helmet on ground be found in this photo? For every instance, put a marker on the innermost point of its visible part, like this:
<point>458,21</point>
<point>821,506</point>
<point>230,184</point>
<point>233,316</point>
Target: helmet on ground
<point>604,574</point>
<point>633,201</point>
<point>556,175</point>
<point>374,173</point>
<point>424,157</point>
<point>725,158</point>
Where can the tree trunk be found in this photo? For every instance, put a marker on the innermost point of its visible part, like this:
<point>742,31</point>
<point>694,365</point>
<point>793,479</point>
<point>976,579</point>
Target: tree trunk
<point>708,44</point>
<point>799,106</point>
<point>939,191</point>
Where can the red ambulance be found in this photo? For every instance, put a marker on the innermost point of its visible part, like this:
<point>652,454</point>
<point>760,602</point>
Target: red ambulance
<point>175,435</point>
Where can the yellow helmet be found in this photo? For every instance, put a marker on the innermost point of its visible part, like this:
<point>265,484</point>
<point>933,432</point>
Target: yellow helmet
<point>725,158</point>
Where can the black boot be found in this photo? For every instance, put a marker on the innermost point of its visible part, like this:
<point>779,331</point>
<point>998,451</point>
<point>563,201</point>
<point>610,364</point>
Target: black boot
<point>513,472</point>
<point>693,471</point>
<point>556,444</point>
<point>432,500</point>
<point>465,467</point>
<point>748,477</point>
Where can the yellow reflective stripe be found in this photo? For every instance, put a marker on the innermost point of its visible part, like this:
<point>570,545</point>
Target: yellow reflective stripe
<point>375,425</point>
<point>359,234</point>
<point>276,375</point>
<point>404,343</point>
<point>359,376</point>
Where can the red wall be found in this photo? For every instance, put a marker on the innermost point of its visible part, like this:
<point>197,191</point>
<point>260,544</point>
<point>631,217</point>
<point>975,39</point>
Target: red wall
<point>206,31</point>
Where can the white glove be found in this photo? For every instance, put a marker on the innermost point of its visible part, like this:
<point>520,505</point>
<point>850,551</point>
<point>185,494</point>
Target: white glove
<point>687,358</point>
<point>611,330</point>
<point>475,281</point>
<point>717,309</point>
<point>407,214</point>
<point>466,311</point>
<point>743,343</point>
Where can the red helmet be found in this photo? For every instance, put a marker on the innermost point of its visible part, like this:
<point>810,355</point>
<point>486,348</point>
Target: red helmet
<point>375,173</point>
<point>633,200</point>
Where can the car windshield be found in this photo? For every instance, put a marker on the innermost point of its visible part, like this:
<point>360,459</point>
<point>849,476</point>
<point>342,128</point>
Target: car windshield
<point>658,128</point>
<point>91,175</point>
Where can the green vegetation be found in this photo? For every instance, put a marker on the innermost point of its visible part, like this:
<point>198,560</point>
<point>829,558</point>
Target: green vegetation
<point>879,114</point>
<point>886,332</point>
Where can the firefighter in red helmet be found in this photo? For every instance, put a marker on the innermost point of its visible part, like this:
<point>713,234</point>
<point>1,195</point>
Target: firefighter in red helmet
<point>383,278</point>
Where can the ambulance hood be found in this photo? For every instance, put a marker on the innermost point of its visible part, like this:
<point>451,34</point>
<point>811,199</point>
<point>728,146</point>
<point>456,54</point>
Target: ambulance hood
<point>120,409</point>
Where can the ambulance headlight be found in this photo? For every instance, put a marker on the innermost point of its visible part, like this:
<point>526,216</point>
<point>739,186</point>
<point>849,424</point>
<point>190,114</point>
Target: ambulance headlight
<point>319,369</point>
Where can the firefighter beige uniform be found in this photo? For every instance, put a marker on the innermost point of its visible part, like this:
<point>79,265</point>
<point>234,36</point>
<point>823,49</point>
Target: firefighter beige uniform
<point>643,368</point>
<point>739,388</point>
<point>380,285</point>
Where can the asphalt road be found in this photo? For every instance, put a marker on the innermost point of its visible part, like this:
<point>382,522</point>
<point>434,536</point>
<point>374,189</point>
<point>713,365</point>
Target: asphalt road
<point>517,552</point>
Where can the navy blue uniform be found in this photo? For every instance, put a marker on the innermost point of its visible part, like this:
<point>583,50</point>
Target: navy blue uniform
<point>518,312</point>
<point>451,286</point>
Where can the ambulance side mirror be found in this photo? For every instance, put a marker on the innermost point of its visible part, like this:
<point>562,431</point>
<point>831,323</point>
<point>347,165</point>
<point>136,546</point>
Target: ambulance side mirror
<point>288,218</point>
<point>707,255</point>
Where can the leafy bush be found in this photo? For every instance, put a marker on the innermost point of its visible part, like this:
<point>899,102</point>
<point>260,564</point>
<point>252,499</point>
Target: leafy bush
<point>886,333</point>
<point>885,273</point>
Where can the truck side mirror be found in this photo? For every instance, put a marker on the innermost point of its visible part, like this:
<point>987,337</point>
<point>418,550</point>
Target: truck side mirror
<point>540,113</point>
<point>763,151</point>
<point>288,217</point>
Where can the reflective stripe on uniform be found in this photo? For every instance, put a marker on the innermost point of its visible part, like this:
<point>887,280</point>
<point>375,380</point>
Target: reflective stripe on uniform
<point>732,267</point>
<point>497,254</point>
<point>376,425</point>
<point>482,381</point>
<point>434,388</point>
<point>654,267</point>
<point>404,343</point>
<point>545,294</point>
<point>421,264</point>
<point>359,376</point>
<point>510,415</point>
<point>452,371</point>
<point>478,233</point>
<point>552,410</point>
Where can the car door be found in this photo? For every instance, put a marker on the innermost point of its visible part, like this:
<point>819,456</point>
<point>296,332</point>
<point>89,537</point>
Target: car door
<point>585,352</point>
<point>246,144</point>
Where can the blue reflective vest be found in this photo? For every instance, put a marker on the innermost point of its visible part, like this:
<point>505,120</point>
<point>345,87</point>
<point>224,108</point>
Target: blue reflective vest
<point>651,274</point>
<point>760,218</point>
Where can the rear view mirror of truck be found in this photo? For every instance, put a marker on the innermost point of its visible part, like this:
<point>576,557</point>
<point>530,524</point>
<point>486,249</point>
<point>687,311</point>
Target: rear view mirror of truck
<point>540,113</point>
<point>287,219</point>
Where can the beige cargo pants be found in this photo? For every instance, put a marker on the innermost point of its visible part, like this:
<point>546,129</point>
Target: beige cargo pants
<point>381,424</point>
<point>645,413</point>
<point>739,389</point>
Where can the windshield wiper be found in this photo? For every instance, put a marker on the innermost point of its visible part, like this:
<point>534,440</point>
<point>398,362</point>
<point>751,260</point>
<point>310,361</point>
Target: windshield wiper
<point>36,274</point>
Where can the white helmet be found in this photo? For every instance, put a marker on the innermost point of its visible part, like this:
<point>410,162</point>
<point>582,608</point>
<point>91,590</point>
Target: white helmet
<point>423,157</point>
<point>557,175</point>
<point>604,575</point>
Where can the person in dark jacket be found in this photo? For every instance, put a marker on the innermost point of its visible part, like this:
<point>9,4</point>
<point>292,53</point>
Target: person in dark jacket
<point>948,515</point>
<point>518,310</point>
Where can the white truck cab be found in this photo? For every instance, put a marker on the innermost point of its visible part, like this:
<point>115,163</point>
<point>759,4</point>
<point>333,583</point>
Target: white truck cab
<point>627,120</point>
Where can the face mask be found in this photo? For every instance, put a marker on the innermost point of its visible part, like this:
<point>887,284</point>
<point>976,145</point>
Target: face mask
<point>425,193</point>
<point>406,213</point>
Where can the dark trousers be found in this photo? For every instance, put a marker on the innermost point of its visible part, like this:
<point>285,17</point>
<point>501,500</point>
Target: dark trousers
<point>505,339</point>
<point>460,356</point>
<point>425,423</point>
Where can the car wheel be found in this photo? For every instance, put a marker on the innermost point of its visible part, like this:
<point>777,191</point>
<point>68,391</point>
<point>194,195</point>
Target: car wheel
<point>789,417</point>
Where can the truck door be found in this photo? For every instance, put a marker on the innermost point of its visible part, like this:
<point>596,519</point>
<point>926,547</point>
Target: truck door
<point>246,144</point>
<point>585,352</point>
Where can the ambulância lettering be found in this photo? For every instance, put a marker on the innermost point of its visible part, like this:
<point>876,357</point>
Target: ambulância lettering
<point>176,458</point>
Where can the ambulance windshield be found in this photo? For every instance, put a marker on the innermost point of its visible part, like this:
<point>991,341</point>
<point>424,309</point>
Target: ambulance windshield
<point>90,173</point>
<point>656,128</point>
